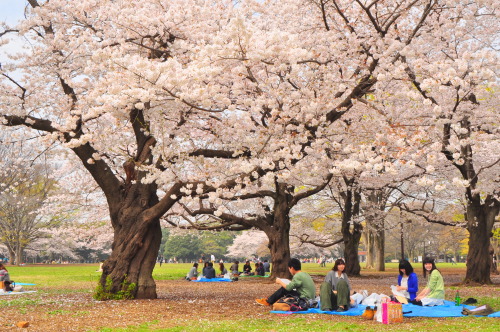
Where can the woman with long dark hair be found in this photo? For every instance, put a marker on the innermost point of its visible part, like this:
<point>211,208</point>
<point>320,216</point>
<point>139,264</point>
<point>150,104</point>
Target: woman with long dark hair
<point>223,269</point>
<point>193,273</point>
<point>407,280</point>
<point>336,289</point>
<point>433,293</point>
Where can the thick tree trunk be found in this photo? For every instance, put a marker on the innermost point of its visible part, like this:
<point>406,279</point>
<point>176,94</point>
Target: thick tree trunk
<point>480,218</point>
<point>279,233</point>
<point>279,245</point>
<point>351,234</point>
<point>133,258</point>
<point>478,258</point>
<point>351,243</point>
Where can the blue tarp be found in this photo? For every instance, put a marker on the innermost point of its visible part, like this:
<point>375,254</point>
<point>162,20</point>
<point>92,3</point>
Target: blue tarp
<point>23,284</point>
<point>213,280</point>
<point>409,310</point>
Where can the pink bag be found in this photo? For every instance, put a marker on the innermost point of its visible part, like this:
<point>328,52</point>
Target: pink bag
<point>392,312</point>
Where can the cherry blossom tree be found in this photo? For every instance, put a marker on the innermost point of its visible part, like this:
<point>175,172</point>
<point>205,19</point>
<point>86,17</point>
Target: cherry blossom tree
<point>202,97</point>
<point>454,84</point>
<point>26,189</point>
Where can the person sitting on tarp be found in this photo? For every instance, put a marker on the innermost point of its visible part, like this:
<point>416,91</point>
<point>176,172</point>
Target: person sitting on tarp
<point>235,268</point>
<point>5,279</point>
<point>223,270</point>
<point>247,269</point>
<point>433,293</point>
<point>336,289</point>
<point>301,285</point>
<point>193,273</point>
<point>267,266</point>
<point>407,283</point>
<point>205,266</point>
<point>259,269</point>
<point>209,271</point>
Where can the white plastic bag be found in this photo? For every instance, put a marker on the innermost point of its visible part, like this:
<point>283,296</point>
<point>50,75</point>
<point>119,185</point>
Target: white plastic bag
<point>18,288</point>
<point>374,298</point>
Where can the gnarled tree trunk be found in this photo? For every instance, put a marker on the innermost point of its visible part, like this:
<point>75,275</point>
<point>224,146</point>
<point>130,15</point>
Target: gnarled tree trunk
<point>278,232</point>
<point>135,248</point>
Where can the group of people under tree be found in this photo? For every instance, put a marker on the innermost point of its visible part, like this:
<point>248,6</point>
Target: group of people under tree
<point>336,291</point>
<point>208,271</point>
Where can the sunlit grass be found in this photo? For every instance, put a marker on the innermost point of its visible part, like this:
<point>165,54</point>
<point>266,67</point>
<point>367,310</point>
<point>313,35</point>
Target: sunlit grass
<point>78,274</point>
<point>302,323</point>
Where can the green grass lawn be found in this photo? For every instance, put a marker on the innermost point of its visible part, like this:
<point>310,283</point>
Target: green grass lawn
<point>302,323</point>
<point>78,274</point>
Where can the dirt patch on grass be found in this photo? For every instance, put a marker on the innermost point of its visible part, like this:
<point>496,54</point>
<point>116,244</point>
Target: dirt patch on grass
<point>181,302</point>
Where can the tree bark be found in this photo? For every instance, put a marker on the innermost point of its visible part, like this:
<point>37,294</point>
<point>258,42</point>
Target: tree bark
<point>12,256</point>
<point>19,254</point>
<point>370,249</point>
<point>351,235</point>
<point>376,222</point>
<point>133,257</point>
<point>279,246</point>
<point>379,240</point>
<point>494,266</point>
<point>278,231</point>
<point>351,243</point>
<point>480,220</point>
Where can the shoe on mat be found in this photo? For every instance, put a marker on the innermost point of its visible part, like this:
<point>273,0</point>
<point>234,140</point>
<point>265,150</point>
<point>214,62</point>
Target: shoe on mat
<point>262,302</point>
<point>340,309</point>
<point>470,300</point>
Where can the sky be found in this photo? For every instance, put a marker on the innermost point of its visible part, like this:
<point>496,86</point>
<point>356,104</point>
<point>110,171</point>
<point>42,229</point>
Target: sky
<point>11,10</point>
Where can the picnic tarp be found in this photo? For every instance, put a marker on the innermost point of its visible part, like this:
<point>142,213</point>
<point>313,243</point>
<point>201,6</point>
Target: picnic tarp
<point>409,310</point>
<point>16,293</point>
<point>23,284</point>
<point>254,276</point>
<point>213,280</point>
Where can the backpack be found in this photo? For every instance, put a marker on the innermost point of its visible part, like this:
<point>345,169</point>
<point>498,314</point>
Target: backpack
<point>8,286</point>
<point>294,303</point>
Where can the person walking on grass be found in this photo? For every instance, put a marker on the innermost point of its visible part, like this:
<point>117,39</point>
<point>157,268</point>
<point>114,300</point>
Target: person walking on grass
<point>301,285</point>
